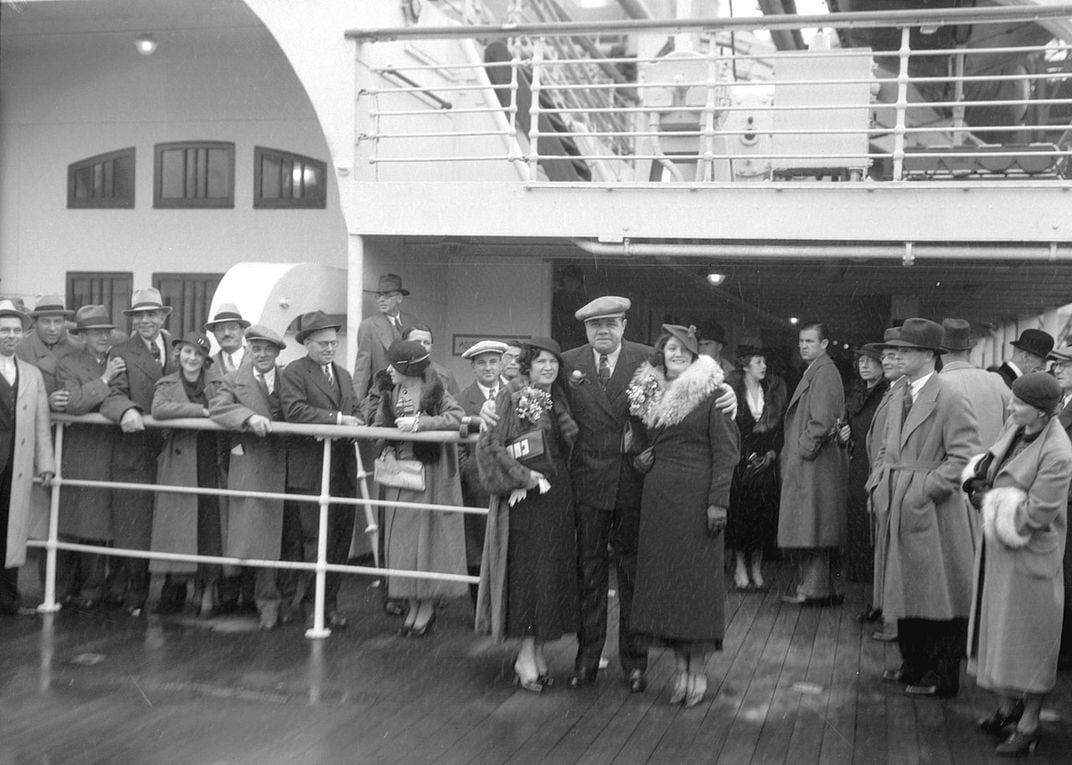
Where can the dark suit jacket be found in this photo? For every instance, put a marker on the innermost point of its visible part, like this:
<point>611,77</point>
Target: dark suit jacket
<point>307,397</point>
<point>1008,374</point>
<point>374,337</point>
<point>602,476</point>
<point>134,389</point>
<point>471,400</point>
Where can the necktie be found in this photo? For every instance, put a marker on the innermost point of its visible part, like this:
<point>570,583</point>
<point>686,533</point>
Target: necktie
<point>603,371</point>
<point>396,327</point>
<point>231,366</point>
<point>328,374</point>
<point>264,384</point>
<point>491,394</point>
<point>907,406</point>
<point>154,349</point>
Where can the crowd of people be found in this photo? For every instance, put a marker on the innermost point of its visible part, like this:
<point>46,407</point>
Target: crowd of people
<point>943,485</point>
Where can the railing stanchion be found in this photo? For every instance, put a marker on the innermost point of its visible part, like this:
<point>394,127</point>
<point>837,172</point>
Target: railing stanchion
<point>49,604</point>
<point>318,629</point>
<point>534,110</point>
<point>902,105</point>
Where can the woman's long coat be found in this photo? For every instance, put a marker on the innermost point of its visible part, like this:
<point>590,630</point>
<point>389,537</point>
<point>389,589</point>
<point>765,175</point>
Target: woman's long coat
<point>916,485</point>
<point>252,527</point>
<point>1015,627</point>
<point>175,515</point>
<point>811,512</point>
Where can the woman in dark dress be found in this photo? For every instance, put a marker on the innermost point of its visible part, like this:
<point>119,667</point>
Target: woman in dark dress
<point>753,521</point>
<point>692,450</point>
<point>528,577</point>
<point>861,401</point>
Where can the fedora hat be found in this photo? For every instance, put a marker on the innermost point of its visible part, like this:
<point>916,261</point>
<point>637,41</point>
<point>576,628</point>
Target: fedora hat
<point>956,335</point>
<point>389,283</point>
<point>408,357</point>
<point>712,330</point>
<point>1064,353</point>
<point>263,333</point>
<point>92,317</point>
<point>314,321</point>
<point>147,300</point>
<point>225,313</point>
<point>684,335</point>
<point>923,334</point>
<point>890,333</point>
<point>51,305</point>
<point>1035,342</point>
<point>7,308</point>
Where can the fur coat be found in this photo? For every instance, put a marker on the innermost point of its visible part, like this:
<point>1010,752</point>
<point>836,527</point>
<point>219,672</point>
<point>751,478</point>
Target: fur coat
<point>659,402</point>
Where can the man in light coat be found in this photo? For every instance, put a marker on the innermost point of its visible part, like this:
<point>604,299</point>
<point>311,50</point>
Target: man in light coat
<point>247,403</point>
<point>985,391</point>
<point>811,514</point>
<point>376,333</point>
<point>25,451</point>
<point>930,434</point>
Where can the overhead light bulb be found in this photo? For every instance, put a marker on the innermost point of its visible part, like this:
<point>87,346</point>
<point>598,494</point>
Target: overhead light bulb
<point>146,44</point>
<point>715,279</point>
<point>794,320</point>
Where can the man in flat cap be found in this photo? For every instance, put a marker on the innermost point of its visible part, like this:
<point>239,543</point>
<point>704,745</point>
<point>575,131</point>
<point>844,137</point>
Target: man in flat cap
<point>317,391</point>
<point>985,391</point>
<point>48,343</point>
<point>1029,355</point>
<point>376,333</point>
<point>930,434</point>
<point>247,403</point>
<point>25,451</point>
<point>130,397</point>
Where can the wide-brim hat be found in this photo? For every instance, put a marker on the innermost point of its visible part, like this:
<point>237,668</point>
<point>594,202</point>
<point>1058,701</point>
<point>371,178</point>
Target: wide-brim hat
<point>408,357</point>
<point>888,334</point>
<point>314,321</point>
<point>921,334</point>
<point>147,300</point>
<point>1035,342</point>
<point>7,308</point>
<point>389,283</point>
<point>51,305</point>
<point>956,335</point>
<point>608,306</point>
<point>198,341</point>
<point>544,344</point>
<point>1038,389</point>
<point>1064,353</point>
<point>261,332</point>
<point>227,312</point>
<point>92,317</point>
<point>871,350</point>
<point>685,335</point>
<point>484,346</point>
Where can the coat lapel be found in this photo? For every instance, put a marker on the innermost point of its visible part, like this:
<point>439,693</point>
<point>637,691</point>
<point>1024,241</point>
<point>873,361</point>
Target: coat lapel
<point>804,384</point>
<point>321,380</point>
<point>924,406</point>
<point>24,378</point>
<point>384,332</point>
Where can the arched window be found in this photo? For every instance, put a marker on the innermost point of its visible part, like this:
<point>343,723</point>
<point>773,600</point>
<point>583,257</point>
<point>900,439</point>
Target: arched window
<point>194,174</point>
<point>283,180</point>
<point>106,180</point>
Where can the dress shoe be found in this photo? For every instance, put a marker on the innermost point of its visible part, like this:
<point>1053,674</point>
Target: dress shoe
<point>268,616</point>
<point>899,675</point>
<point>869,614</point>
<point>421,630</point>
<point>636,681</point>
<point>545,679</point>
<point>998,722</point>
<point>885,636</point>
<point>930,690</point>
<point>581,678</point>
<point>1018,744</point>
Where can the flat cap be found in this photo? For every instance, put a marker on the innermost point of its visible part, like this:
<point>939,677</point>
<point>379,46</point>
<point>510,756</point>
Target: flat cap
<point>484,346</point>
<point>604,307</point>
<point>266,334</point>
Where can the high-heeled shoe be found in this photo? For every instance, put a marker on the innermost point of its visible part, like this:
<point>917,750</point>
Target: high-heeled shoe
<point>996,724</point>
<point>532,684</point>
<point>681,688</point>
<point>697,689</point>
<point>424,629</point>
<point>1018,743</point>
<point>740,579</point>
<point>545,679</point>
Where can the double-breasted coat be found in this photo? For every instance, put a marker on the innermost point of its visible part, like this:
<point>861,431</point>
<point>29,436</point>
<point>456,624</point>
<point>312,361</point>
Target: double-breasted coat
<point>1015,626</point>
<point>252,527</point>
<point>811,511</point>
<point>374,336</point>
<point>31,455</point>
<point>929,525</point>
<point>85,511</point>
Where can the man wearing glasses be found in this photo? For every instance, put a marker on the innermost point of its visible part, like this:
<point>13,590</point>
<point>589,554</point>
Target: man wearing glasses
<point>376,333</point>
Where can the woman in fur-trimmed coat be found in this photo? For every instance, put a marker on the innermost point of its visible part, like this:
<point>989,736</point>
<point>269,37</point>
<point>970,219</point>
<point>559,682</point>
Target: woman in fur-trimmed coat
<point>1015,626</point>
<point>693,449</point>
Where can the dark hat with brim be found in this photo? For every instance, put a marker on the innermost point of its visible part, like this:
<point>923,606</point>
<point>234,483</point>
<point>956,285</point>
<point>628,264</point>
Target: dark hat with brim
<point>544,344</point>
<point>389,283</point>
<point>871,351</point>
<point>1034,341</point>
<point>50,305</point>
<point>7,308</point>
<point>919,334</point>
<point>198,341</point>
<point>92,317</point>
<point>408,357</point>
<point>684,335</point>
<point>888,334</point>
<point>225,313</point>
<point>263,333</point>
<point>712,330</point>
<point>147,300</point>
<point>314,321</point>
<point>956,335</point>
<point>1038,389</point>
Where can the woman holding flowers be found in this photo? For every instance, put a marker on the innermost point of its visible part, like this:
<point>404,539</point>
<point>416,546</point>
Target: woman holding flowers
<point>693,448</point>
<point>528,577</point>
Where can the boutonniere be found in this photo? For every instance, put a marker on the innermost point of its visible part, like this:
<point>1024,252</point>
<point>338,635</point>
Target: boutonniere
<point>577,378</point>
<point>533,404</point>
<point>642,394</point>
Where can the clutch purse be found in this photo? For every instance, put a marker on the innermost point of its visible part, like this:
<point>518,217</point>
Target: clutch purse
<point>388,470</point>
<point>530,449</point>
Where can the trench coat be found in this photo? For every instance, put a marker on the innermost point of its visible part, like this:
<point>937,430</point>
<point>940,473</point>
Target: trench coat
<point>879,527</point>
<point>811,511</point>
<point>929,524</point>
<point>252,528</point>
<point>175,515</point>
<point>1015,628</point>
<point>85,512</point>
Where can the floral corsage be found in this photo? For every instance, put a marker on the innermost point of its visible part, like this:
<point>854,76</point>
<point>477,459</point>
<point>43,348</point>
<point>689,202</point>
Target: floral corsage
<point>642,394</point>
<point>533,404</point>
<point>577,378</point>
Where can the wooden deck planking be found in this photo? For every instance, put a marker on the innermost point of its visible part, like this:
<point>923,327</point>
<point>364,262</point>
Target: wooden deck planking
<point>840,728</point>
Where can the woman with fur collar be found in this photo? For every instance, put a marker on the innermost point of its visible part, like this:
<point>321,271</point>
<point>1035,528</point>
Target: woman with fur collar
<point>693,448</point>
<point>528,575</point>
<point>1021,486</point>
<point>411,397</point>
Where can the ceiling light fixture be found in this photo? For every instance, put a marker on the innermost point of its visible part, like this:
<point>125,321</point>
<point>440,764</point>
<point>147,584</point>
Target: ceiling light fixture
<point>715,279</point>
<point>146,44</point>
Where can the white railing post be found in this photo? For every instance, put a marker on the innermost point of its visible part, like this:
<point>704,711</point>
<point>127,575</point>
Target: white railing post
<point>902,105</point>
<point>534,110</point>
<point>708,153</point>
<point>49,604</point>
<point>318,630</point>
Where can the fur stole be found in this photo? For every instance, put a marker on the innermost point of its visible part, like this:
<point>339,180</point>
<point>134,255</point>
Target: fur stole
<point>676,399</point>
<point>774,395</point>
<point>432,391</point>
<point>999,516</point>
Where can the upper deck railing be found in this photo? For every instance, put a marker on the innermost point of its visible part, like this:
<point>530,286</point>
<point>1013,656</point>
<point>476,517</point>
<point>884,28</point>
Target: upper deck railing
<point>950,94</point>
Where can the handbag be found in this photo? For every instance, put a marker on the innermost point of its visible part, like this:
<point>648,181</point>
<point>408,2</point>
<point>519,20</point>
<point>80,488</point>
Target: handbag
<point>530,449</point>
<point>388,470</point>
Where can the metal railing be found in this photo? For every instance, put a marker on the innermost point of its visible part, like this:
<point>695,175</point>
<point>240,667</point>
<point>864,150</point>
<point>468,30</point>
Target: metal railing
<point>917,111</point>
<point>320,567</point>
